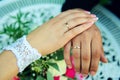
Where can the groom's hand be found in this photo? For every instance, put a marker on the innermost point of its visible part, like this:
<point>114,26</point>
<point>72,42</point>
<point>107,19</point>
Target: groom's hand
<point>87,51</point>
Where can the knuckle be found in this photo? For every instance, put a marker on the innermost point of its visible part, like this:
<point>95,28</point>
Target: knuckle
<point>67,62</point>
<point>96,54</point>
<point>66,58</point>
<point>85,35</point>
<point>74,15</point>
<point>94,68</point>
<point>75,51</point>
<point>97,31</point>
<point>76,56</point>
<point>77,69</point>
<point>89,19</point>
<point>76,21</point>
<point>66,51</point>
<point>84,72</point>
<point>86,57</point>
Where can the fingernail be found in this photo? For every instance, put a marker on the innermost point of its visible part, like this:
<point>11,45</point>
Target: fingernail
<point>69,66</point>
<point>84,75</point>
<point>88,12</point>
<point>106,60</point>
<point>96,18</point>
<point>92,73</point>
<point>93,15</point>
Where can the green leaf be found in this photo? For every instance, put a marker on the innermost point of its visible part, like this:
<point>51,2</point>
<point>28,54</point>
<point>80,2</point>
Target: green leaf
<point>26,14</point>
<point>49,76</point>
<point>58,55</point>
<point>54,65</point>
<point>39,78</point>
<point>14,17</point>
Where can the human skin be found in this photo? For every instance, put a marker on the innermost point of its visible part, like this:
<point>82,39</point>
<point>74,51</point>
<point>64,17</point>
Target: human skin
<point>87,58</point>
<point>49,37</point>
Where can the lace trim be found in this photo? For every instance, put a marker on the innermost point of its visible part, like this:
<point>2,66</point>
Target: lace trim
<point>24,53</point>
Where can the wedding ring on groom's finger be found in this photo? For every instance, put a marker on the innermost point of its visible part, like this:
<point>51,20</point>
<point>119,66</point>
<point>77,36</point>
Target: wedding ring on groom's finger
<point>76,47</point>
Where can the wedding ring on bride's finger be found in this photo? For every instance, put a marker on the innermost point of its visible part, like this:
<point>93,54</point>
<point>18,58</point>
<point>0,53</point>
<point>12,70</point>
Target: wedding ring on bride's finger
<point>67,26</point>
<point>76,47</point>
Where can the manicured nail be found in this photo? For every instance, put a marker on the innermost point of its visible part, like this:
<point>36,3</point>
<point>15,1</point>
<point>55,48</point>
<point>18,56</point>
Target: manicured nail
<point>92,73</point>
<point>93,15</point>
<point>96,18</point>
<point>88,12</point>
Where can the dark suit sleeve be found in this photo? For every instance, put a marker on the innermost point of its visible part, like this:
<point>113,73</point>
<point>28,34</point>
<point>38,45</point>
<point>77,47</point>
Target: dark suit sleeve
<point>83,4</point>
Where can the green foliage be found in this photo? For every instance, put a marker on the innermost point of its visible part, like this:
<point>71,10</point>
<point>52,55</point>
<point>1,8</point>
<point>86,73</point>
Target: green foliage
<point>19,27</point>
<point>39,78</point>
<point>58,55</point>
<point>54,65</point>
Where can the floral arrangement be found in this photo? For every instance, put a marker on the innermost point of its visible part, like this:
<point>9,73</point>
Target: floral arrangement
<point>50,67</point>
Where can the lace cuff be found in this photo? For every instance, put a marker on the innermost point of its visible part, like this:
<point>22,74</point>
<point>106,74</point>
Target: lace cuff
<point>24,53</point>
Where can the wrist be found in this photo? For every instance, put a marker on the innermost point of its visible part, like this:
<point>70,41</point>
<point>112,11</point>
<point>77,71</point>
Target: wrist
<point>34,40</point>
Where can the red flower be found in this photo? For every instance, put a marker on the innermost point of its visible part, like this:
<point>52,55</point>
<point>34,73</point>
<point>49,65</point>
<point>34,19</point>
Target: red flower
<point>56,77</point>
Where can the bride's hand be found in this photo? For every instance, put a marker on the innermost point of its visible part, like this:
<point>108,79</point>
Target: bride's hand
<point>55,33</point>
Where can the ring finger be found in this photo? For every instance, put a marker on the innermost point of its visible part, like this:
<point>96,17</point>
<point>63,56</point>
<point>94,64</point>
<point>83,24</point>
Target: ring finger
<point>76,54</point>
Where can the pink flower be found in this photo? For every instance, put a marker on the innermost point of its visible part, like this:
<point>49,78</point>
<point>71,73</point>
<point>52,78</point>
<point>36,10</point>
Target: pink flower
<point>16,78</point>
<point>70,72</point>
<point>56,77</point>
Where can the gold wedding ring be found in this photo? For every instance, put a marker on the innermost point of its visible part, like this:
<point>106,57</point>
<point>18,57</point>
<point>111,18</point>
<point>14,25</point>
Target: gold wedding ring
<point>76,47</point>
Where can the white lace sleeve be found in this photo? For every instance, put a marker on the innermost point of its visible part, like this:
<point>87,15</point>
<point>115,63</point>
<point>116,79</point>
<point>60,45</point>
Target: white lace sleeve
<point>24,53</point>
